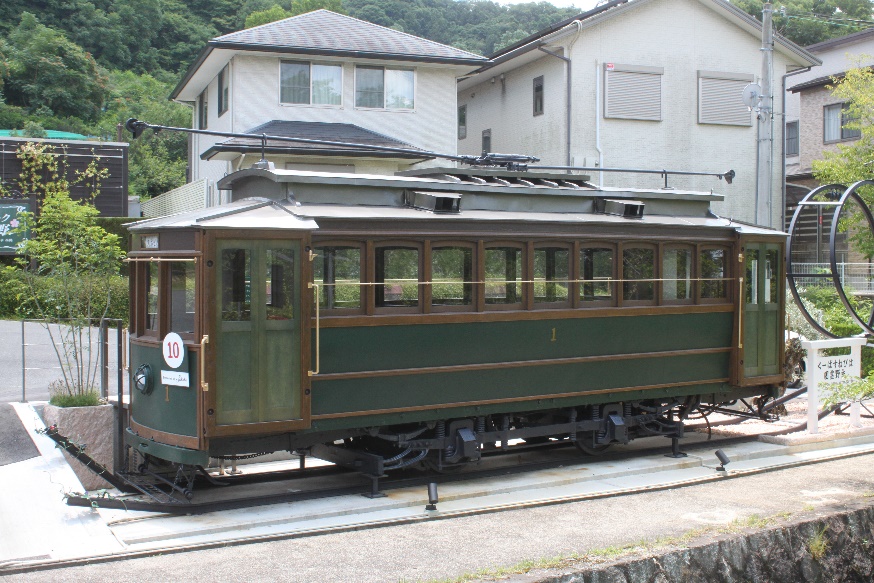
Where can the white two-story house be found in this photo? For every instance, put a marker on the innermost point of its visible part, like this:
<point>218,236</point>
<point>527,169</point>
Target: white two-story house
<point>645,84</point>
<point>322,76</point>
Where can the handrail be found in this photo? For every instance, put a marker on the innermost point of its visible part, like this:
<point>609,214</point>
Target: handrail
<point>315,286</point>
<point>740,313</point>
<point>202,356</point>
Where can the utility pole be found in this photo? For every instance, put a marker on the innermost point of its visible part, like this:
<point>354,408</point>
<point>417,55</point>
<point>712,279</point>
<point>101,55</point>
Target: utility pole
<point>765,125</point>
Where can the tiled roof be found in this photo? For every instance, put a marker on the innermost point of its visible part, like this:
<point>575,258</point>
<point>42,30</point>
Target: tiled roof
<point>326,32</point>
<point>332,132</point>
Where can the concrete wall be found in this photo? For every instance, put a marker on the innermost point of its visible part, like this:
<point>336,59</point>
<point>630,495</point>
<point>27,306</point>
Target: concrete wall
<point>680,36</point>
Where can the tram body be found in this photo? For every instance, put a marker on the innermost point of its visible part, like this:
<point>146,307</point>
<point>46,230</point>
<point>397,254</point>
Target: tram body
<point>440,313</point>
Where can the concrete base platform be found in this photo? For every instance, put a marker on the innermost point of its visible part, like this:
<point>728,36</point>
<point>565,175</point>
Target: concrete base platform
<point>38,528</point>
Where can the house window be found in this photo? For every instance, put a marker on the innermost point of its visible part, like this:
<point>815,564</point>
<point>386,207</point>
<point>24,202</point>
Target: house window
<point>538,95</point>
<point>462,122</point>
<point>719,98</point>
<point>487,141</point>
<point>633,92</point>
<point>224,85</point>
<point>384,88</point>
<point>202,111</point>
<point>835,118</point>
<point>306,83</point>
<point>792,138</point>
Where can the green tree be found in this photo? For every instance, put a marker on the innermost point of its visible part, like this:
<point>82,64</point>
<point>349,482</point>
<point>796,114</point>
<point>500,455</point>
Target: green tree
<point>853,162</point>
<point>272,14</point>
<point>46,70</point>
<point>808,22</point>
<point>304,6</point>
<point>69,248</point>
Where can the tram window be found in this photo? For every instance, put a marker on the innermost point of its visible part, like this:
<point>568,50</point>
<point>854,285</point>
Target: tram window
<point>752,277</point>
<point>182,297</point>
<point>397,277</point>
<point>152,289</point>
<point>279,292</point>
<point>638,274</point>
<point>503,275</point>
<point>772,269</point>
<point>236,295</point>
<point>714,268</point>
<point>677,274</point>
<point>551,274</point>
<point>338,270</point>
<point>596,273</point>
<point>452,276</point>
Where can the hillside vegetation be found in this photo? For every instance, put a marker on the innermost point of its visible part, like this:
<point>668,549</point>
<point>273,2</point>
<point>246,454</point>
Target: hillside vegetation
<point>86,65</point>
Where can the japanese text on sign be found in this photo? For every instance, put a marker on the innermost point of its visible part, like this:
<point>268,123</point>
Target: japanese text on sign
<point>835,368</point>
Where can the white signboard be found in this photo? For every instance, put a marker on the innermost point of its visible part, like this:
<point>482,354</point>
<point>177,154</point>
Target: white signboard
<point>174,350</point>
<point>174,377</point>
<point>829,369</point>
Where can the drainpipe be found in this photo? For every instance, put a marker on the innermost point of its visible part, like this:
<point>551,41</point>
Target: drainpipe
<point>598,121</point>
<point>783,137</point>
<point>569,97</point>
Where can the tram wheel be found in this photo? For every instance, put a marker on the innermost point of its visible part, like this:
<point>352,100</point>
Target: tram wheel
<point>584,443</point>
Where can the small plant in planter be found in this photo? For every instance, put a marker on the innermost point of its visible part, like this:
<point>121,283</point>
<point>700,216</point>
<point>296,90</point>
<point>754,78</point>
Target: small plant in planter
<point>80,258</point>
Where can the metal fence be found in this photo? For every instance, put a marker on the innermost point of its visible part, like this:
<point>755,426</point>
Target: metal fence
<point>94,352</point>
<point>856,278</point>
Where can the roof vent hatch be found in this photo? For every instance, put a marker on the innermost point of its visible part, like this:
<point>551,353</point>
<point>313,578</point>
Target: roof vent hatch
<point>435,202</point>
<point>629,209</point>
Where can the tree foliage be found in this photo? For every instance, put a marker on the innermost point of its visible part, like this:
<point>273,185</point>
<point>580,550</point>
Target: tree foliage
<point>807,22</point>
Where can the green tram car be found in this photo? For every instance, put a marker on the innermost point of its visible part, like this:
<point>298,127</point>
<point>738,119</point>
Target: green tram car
<point>423,318</point>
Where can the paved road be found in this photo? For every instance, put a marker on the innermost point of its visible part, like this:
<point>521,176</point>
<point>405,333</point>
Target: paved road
<point>449,549</point>
<point>41,360</point>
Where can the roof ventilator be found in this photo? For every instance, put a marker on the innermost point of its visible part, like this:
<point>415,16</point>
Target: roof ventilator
<point>629,209</point>
<point>435,202</point>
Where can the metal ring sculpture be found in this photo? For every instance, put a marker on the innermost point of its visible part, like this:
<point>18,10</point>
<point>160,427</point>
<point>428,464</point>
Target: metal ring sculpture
<point>849,193</point>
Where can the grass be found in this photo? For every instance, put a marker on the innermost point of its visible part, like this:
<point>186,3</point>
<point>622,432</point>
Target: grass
<point>88,399</point>
<point>615,552</point>
<point>818,544</point>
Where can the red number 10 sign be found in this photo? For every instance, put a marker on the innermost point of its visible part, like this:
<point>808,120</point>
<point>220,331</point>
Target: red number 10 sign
<point>174,350</point>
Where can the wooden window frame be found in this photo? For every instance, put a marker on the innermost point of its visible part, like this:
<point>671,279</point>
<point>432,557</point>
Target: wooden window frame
<point>657,292</point>
<point>419,246</point>
<point>430,307</point>
<point>614,296</point>
<point>566,304</point>
<point>729,293</point>
<point>693,295</point>
<point>362,250</point>
<point>481,275</point>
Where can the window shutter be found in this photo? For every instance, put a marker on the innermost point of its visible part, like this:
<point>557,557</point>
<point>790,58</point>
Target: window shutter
<point>633,93</point>
<point>719,99</point>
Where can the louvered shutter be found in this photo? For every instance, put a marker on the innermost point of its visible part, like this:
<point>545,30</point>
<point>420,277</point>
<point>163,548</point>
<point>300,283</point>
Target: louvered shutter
<point>633,92</point>
<point>719,99</point>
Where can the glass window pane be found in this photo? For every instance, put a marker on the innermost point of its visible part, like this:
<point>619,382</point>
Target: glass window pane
<point>714,265</point>
<point>677,274</point>
<point>182,297</point>
<point>398,269</point>
<point>399,89</point>
<point>551,274</point>
<point>752,277</point>
<point>832,123</point>
<point>327,84</point>
<point>503,275</point>
<point>338,270</point>
<point>596,266</point>
<point>772,272</point>
<point>279,282</point>
<point>236,281</point>
<point>369,87</point>
<point>294,82</point>
<point>152,271</point>
<point>638,271</point>
<point>452,276</point>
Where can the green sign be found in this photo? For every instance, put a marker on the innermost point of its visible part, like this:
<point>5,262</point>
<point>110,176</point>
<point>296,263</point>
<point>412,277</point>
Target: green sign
<point>11,212</point>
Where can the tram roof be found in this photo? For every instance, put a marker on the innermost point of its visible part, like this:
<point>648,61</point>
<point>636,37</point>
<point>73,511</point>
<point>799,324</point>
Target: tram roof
<point>300,200</point>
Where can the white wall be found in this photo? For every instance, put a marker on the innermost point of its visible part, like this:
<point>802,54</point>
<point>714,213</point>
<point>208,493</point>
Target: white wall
<point>680,36</point>
<point>254,100</point>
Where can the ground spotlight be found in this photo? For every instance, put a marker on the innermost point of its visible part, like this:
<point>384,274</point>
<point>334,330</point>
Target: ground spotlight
<point>723,459</point>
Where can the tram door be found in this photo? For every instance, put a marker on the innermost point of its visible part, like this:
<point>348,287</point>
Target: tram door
<point>257,332</point>
<point>762,299</point>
